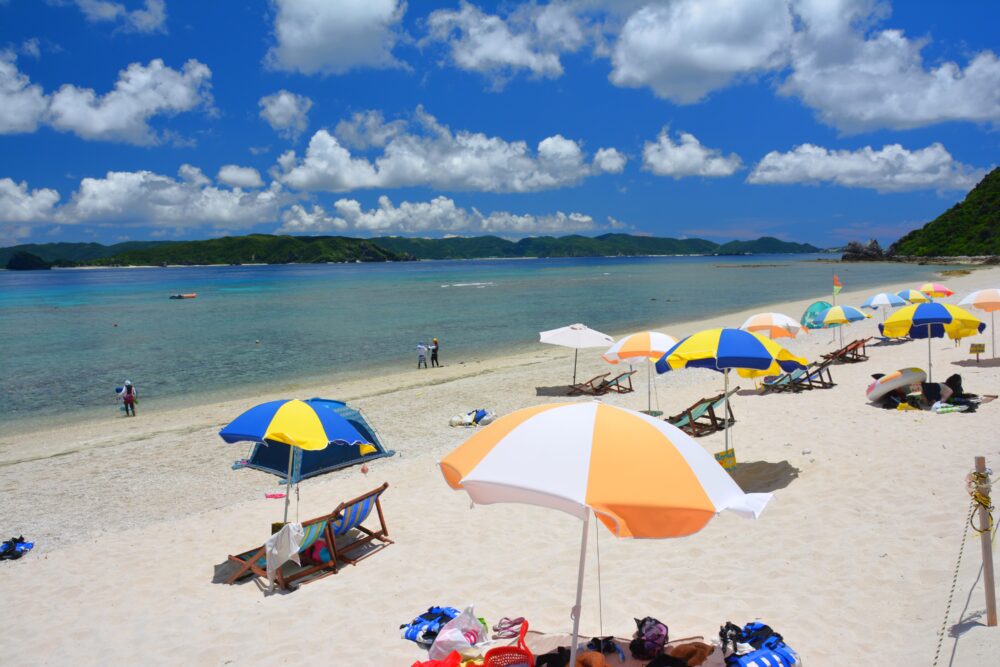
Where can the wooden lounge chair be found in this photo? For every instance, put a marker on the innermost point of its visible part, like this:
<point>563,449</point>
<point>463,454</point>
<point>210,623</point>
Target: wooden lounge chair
<point>346,517</point>
<point>591,386</point>
<point>704,417</point>
<point>621,384</point>
<point>850,353</point>
<point>814,376</point>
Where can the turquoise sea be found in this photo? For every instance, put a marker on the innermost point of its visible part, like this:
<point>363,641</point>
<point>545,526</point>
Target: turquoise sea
<point>69,337</point>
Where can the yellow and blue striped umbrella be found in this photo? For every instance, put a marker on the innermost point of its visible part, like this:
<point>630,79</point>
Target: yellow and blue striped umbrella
<point>931,320</point>
<point>914,296</point>
<point>724,349</point>
<point>839,315</point>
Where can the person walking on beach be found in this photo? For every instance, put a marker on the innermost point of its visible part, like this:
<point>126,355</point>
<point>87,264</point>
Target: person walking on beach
<point>129,396</point>
<point>421,355</point>
<point>434,354</point>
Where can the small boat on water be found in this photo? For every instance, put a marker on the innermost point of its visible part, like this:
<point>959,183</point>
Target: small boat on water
<point>192,295</point>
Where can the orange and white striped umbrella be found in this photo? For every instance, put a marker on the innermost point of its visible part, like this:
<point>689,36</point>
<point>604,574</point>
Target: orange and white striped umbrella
<point>649,345</point>
<point>641,476</point>
<point>773,325</point>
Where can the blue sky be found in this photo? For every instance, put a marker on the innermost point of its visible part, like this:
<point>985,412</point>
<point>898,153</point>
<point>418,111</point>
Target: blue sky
<point>811,120</point>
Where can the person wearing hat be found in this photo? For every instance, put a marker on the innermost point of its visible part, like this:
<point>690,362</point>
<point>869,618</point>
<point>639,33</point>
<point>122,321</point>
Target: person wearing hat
<point>129,396</point>
<point>434,354</point>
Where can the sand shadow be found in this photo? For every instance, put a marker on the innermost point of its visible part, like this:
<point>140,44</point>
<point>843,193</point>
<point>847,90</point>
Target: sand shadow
<point>763,476</point>
<point>748,392</point>
<point>557,390</point>
<point>972,363</point>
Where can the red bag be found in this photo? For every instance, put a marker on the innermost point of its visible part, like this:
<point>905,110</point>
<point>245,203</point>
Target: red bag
<point>454,659</point>
<point>511,656</point>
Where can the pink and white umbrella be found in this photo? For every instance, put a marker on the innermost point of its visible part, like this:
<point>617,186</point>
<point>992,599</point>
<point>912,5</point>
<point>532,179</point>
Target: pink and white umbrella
<point>773,325</point>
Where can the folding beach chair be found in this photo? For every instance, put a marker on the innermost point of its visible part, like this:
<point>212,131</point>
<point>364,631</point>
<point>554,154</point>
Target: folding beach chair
<point>254,561</point>
<point>814,376</point>
<point>621,384</point>
<point>349,516</point>
<point>703,418</point>
<point>591,386</point>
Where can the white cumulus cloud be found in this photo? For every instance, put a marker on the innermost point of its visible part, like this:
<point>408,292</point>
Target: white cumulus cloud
<point>22,104</point>
<point>144,198</point>
<point>889,169</point>
<point>240,177</point>
<point>685,49</point>
<point>530,39</point>
<point>858,79</point>
<point>424,152</point>
<point>286,113</point>
<point>440,214</point>
<point>686,157</point>
<point>151,17</point>
<point>323,37</point>
<point>19,204</point>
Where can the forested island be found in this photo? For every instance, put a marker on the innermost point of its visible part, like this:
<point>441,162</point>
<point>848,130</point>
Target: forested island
<point>272,249</point>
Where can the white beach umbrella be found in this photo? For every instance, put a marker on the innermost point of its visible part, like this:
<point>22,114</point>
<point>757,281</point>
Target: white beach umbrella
<point>576,336</point>
<point>773,325</point>
<point>641,477</point>
<point>987,300</point>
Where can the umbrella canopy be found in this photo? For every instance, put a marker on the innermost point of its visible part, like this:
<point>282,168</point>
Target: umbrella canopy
<point>723,349</point>
<point>838,315</point>
<point>809,316</point>
<point>987,300</point>
<point>576,336</point>
<point>931,320</point>
<point>298,424</point>
<point>884,300</point>
<point>935,290</point>
<point>772,325</point>
<point>641,477</point>
<point>638,346</point>
<point>914,296</point>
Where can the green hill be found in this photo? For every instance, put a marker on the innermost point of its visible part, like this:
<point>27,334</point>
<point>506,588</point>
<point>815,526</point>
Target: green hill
<point>25,261</point>
<point>971,227</point>
<point>765,245</point>
<point>73,253</point>
<point>256,249</point>
<point>450,248</point>
<point>544,246</point>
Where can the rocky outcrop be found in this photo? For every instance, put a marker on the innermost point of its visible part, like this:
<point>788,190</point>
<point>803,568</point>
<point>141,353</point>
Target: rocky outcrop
<point>858,252</point>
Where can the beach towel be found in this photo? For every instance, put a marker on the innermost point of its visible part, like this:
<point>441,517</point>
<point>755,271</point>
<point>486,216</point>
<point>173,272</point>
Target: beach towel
<point>14,548</point>
<point>282,547</point>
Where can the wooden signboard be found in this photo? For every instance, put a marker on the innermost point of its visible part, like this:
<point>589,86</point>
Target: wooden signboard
<point>977,349</point>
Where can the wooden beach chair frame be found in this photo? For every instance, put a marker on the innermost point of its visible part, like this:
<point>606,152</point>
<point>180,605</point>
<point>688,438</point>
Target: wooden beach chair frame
<point>814,376</point>
<point>337,523</point>
<point>617,384</point>
<point>851,353</point>
<point>591,386</point>
<point>701,419</point>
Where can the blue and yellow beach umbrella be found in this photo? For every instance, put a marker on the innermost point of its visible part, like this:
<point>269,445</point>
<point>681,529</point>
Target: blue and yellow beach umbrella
<point>298,424</point>
<point>838,315</point>
<point>725,349</point>
<point>914,296</point>
<point>931,320</point>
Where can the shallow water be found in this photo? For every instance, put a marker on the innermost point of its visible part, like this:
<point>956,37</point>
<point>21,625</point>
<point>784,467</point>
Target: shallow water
<point>69,337</point>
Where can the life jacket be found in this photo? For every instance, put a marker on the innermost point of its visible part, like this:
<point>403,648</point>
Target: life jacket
<point>424,628</point>
<point>769,648</point>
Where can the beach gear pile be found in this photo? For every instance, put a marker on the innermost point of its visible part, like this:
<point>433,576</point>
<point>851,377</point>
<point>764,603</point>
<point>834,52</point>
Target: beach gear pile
<point>456,638</point>
<point>477,417</point>
<point>14,548</point>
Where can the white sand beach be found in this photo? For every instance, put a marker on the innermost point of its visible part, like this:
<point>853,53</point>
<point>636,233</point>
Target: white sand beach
<point>852,561</point>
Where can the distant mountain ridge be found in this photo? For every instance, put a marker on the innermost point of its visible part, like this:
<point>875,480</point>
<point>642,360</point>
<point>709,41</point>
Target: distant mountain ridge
<point>271,249</point>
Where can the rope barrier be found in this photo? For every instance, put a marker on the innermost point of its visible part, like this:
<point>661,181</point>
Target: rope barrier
<point>954,584</point>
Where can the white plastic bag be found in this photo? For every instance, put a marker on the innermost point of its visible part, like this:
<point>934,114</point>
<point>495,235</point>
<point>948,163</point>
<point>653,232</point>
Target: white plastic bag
<point>463,634</point>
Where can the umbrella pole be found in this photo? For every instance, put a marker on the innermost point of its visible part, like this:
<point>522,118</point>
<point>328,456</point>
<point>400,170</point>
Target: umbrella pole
<point>993,333</point>
<point>929,374</point>
<point>649,386</point>
<point>288,482</point>
<point>575,614</point>
<point>576,353</point>
<point>725,410</point>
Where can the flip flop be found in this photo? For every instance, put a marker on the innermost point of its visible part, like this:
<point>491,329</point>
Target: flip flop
<point>507,628</point>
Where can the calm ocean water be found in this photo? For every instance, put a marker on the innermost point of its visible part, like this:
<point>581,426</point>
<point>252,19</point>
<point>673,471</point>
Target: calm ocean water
<point>62,353</point>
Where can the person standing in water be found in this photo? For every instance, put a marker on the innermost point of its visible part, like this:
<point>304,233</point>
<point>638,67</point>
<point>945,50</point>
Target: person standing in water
<point>434,354</point>
<point>129,396</point>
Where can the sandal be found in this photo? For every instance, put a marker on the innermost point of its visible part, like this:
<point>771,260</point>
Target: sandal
<point>508,628</point>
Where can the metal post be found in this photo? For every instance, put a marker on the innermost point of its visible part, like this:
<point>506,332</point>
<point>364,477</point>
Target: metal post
<point>575,613</point>
<point>993,334</point>
<point>649,386</point>
<point>929,374</point>
<point>987,544</point>
<point>725,409</point>
<point>576,353</point>
<point>288,482</point>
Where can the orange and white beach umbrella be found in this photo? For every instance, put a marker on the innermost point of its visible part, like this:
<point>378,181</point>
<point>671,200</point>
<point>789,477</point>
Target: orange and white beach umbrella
<point>649,345</point>
<point>640,476</point>
<point>773,325</point>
